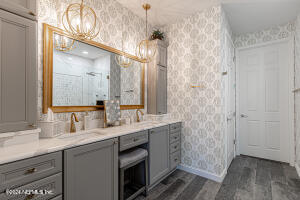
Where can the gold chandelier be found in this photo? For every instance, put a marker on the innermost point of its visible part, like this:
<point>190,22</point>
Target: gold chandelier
<point>81,21</point>
<point>123,61</point>
<point>146,49</point>
<point>63,43</point>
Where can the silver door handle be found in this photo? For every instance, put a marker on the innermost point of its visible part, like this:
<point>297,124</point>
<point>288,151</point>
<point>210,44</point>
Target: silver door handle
<point>244,116</point>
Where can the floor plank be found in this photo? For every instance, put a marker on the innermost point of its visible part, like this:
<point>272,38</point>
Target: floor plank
<point>172,190</point>
<point>263,174</point>
<point>262,192</point>
<point>209,191</point>
<point>192,189</point>
<point>248,178</point>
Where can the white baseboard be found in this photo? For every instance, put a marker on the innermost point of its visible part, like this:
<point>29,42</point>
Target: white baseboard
<point>205,174</point>
<point>297,169</point>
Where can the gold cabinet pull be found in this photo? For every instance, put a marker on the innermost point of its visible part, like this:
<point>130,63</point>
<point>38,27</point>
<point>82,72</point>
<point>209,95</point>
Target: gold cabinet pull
<point>31,171</point>
<point>31,13</point>
<point>33,125</point>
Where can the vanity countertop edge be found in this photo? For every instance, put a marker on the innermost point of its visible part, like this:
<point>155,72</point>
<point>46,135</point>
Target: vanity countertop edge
<point>48,145</point>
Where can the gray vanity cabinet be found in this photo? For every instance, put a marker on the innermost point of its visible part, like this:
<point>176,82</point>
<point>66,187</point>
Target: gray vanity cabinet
<point>162,53</point>
<point>18,65</point>
<point>24,8</point>
<point>158,153</point>
<point>91,171</point>
<point>157,81</point>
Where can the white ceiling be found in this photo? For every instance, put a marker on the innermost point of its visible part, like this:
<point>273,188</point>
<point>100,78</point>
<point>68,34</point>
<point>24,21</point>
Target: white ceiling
<point>244,15</point>
<point>251,17</point>
<point>164,12</point>
<point>92,52</point>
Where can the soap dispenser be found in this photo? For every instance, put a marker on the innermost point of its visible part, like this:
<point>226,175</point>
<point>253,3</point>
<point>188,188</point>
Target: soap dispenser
<point>86,119</point>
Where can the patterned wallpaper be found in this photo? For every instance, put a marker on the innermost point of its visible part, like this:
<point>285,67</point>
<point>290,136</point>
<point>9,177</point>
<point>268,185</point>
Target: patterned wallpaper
<point>194,59</point>
<point>111,15</point>
<point>114,79</point>
<point>297,85</point>
<point>266,35</point>
<point>131,84</point>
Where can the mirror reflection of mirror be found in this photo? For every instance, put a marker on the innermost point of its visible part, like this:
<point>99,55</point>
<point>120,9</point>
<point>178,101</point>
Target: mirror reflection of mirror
<point>85,75</point>
<point>112,112</point>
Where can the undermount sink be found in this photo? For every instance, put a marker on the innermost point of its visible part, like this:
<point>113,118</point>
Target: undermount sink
<point>145,123</point>
<point>80,135</point>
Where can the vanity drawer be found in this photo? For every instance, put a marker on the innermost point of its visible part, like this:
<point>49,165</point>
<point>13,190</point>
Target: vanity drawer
<point>52,183</point>
<point>175,147</point>
<point>133,140</point>
<point>18,173</point>
<point>175,127</point>
<point>174,137</point>
<point>174,159</point>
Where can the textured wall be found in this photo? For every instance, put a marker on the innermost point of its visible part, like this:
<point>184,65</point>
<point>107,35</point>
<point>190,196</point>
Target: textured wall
<point>194,59</point>
<point>297,85</point>
<point>115,79</point>
<point>111,15</point>
<point>266,35</point>
<point>131,84</point>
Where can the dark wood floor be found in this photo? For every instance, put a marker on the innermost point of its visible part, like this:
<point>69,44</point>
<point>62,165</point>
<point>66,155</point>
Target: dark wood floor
<point>247,179</point>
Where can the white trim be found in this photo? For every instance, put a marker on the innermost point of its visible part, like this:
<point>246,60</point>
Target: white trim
<point>290,41</point>
<point>292,102</point>
<point>266,43</point>
<point>228,39</point>
<point>205,174</point>
<point>237,100</point>
<point>297,169</point>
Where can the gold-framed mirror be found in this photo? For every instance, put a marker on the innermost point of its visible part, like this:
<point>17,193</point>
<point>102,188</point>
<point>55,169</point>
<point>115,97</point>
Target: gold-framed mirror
<point>79,75</point>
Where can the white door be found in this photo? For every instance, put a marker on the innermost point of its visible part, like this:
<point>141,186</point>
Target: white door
<point>264,101</point>
<point>230,107</point>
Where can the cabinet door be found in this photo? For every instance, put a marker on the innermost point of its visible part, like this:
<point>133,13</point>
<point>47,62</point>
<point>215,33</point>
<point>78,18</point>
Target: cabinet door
<point>91,171</point>
<point>162,56</point>
<point>24,8</point>
<point>158,153</point>
<point>18,63</point>
<point>161,90</point>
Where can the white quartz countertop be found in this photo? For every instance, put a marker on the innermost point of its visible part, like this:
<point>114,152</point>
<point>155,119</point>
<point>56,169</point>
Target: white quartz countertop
<point>44,146</point>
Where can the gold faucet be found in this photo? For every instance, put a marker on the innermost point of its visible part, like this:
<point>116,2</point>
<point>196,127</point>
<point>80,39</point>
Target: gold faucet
<point>137,115</point>
<point>73,127</point>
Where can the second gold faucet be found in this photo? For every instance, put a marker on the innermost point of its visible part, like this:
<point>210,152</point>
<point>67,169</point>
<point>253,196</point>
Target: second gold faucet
<point>137,115</point>
<point>73,127</point>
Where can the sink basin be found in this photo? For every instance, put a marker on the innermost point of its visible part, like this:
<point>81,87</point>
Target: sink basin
<point>144,124</point>
<point>80,135</point>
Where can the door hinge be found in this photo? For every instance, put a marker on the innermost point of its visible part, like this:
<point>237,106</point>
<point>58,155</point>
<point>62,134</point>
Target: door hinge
<point>234,142</point>
<point>234,58</point>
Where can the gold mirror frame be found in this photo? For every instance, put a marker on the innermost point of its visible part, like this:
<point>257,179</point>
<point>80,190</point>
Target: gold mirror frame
<point>48,73</point>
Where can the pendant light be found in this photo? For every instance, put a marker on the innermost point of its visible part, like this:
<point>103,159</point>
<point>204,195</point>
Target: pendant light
<point>81,21</point>
<point>121,59</point>
<point>60,42</point>
<point>146,49</point>
<point>63,43</point>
